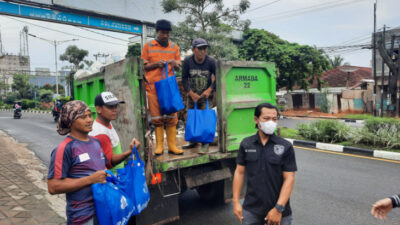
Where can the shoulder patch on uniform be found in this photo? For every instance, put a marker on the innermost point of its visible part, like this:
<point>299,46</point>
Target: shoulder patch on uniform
<point>150,43</point>
<point>279,149</point>
<point>172,44</point>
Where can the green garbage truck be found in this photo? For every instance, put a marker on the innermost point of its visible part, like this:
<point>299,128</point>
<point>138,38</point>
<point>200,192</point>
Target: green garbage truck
<point>241,86</point>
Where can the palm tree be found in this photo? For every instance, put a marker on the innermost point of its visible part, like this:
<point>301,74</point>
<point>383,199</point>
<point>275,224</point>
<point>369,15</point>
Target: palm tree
<point>336,61</point>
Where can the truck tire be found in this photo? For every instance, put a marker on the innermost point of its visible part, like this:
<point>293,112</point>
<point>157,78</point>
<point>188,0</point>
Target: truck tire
<point>212,192</point>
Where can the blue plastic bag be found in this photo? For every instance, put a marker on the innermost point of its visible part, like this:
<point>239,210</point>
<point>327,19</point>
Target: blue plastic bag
<point>168,94</point>
<point>113,206</point>
<point>201,125</point>
<point>133,182</point>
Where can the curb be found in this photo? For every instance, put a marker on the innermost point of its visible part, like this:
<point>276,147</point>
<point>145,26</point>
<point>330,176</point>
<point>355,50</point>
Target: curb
<point>347,120</point>
<point>316,117</point>
<point>28,111</point>
<point>353,121</point>
<point>346,149</point>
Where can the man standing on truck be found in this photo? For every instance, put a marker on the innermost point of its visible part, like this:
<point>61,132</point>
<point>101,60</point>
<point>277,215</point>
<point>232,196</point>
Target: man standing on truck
<point>155,54</point>
<point>198,79</point>
<point>269,163</point>
<point>107,110</point>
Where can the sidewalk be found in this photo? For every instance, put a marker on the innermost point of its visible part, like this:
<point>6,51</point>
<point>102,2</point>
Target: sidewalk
<point>23,188</point>
<point>314,114</point>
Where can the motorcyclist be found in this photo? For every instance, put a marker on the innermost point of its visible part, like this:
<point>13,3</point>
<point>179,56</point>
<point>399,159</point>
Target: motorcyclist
<point>17,108</point>
<point>57,109</point>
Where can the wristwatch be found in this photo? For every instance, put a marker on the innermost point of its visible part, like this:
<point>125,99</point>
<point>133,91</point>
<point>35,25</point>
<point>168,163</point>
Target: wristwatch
<point>280,208</point>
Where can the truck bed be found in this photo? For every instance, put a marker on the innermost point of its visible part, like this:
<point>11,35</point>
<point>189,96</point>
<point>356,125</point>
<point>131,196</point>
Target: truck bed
<point>190,157</point>
<point>188,153</point>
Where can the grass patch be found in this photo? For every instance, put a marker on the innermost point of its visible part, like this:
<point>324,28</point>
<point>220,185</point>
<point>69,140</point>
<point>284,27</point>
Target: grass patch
<point>289,133</point>
<point>328,131</point>
<point>376,134</point>
<point>379,132</point>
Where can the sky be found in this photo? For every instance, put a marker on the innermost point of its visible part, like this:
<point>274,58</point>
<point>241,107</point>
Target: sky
<point>320,23</point>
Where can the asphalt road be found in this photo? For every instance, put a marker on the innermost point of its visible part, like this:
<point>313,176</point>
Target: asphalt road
<point>36,130</point>
<point>330,189</point>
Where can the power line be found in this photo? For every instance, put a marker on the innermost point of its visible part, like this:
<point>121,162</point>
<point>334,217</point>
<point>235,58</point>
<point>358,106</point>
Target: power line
<point>362,37</point>
<point>301,9</point>
<point>262,6</point>
<point>63,32</point>
<point>296,12</point>
<point>106,35</point>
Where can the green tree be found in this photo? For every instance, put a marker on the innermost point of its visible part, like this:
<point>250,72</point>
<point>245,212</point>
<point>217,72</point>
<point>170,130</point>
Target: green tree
<point>61,90</point>
<point>133,50</point>
<point>75,56</point>
<point>46,87</point>
<point>337,61</point>
<point>46,95</point>
<point>208,19</point>
<point>21,86</point>
<point>11,97</point>
<point>297,64</point>
<point>88,63</point>
<point>3,87</point>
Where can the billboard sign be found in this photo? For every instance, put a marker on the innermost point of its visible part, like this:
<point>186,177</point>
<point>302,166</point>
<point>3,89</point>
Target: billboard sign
<point>50,15</point>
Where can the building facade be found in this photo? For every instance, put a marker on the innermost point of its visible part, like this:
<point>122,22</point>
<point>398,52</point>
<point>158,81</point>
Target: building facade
<point>10,65</point>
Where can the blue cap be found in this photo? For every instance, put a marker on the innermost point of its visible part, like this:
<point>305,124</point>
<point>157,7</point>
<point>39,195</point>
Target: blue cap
<point>199,42</point>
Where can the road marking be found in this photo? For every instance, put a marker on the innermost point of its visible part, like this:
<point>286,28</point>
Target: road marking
<point>347,154</point>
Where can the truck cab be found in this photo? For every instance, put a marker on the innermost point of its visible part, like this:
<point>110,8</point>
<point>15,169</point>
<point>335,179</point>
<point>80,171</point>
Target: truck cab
<point>241,86</point>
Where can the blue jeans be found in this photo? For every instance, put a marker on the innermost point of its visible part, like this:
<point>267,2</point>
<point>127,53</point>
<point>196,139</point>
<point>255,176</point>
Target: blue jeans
<point>250,218</point>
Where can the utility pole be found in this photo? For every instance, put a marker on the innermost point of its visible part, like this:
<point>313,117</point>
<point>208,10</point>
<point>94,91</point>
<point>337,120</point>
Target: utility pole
<point>374,56</point>
<point>1,45</point>
<point>389,90</point>
<point>55,57</point>
<point>397,85</point>
<point>383,69</point>
<point>98,55</point>
<point>55,43</point>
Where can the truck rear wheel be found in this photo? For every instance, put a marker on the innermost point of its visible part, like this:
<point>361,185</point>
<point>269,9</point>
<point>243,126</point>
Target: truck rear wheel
<point>212,192</point>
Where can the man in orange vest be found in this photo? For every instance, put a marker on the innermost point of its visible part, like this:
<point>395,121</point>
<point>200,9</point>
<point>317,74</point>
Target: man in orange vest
<point>155,54</point>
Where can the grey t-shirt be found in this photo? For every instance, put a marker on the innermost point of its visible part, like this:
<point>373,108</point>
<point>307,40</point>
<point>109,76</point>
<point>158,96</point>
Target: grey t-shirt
<point>197,77</point>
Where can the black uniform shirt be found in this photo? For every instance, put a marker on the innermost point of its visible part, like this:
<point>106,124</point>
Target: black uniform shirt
<point>264,169</point>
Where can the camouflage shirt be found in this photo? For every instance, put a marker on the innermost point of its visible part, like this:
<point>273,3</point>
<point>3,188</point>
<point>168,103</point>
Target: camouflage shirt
<point>197,77</point>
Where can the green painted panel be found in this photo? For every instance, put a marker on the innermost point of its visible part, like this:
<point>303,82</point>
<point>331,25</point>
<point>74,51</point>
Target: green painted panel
<point>240,124</point>
<point>86,90</point>
<point>249,83</point>
<point>242,85</point>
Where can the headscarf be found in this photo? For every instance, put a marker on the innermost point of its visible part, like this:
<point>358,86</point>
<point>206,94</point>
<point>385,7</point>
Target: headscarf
<point>69,113</point>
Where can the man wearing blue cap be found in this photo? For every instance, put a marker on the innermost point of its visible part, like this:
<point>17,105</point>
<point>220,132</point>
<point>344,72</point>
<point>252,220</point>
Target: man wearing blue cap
<point>198,78</point>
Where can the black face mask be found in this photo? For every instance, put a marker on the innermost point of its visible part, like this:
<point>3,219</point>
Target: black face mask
<point>163,43</point>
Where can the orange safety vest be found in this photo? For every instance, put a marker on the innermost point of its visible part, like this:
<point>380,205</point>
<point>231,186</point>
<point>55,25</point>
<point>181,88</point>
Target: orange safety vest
<point>154,52</point>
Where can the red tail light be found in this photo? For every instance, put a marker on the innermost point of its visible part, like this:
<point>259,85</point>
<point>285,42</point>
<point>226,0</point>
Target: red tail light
<point>156,178</point>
